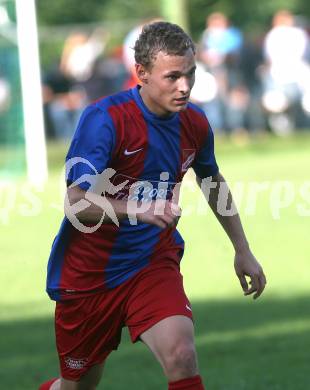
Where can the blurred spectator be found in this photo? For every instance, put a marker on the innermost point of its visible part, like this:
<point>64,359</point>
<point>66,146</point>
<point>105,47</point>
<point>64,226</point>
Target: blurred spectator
<point>80,52</point>
<point>219,40</point>
<point>286,75</point>
<point>293,51</point>
<point>64,87</point>
<point>251,60</point>
<point>62,105</point>
<point>220,51</point>
<point>108,76</point>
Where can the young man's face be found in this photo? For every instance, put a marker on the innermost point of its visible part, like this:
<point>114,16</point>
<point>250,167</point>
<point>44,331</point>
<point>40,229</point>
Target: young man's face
<point>166,86</point>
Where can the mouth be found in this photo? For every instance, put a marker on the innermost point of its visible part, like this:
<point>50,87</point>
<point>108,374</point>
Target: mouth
<point>182,100</point>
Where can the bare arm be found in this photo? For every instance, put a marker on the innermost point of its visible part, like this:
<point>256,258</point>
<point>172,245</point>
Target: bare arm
<point>93,205</point>
<point>220,200</point>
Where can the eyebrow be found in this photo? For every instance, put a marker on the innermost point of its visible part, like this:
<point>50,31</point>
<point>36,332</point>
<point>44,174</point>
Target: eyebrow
<point>177,73</point>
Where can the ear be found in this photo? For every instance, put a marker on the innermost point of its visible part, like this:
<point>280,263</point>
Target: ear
<point>142,73</point>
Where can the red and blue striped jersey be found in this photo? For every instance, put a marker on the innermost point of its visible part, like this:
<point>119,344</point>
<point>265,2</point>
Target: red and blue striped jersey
<point>120,132</point>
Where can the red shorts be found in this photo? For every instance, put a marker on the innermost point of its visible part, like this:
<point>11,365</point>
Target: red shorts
<point>88,329</point>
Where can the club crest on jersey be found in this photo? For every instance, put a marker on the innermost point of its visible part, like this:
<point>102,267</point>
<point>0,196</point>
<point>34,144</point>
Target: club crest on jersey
<point>188,158</point>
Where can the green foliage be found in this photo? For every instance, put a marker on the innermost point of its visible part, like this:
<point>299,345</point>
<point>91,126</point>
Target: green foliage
<point>71,11</point>
<point>131,9</point>
<point>244,13</point>
<point>50,53</point>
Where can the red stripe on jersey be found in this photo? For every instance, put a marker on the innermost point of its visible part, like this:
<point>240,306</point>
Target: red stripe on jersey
<point>131,147</point>
<point>85,260</point>
<point>88,254</point>
<point>131,140</point>
<point>194,128</point>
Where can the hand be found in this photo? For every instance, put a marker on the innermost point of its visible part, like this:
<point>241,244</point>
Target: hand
<point>161,213</point>
<point>247,265</point>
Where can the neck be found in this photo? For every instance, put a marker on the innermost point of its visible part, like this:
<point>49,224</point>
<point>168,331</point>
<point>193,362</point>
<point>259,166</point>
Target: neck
<point>154,108</point>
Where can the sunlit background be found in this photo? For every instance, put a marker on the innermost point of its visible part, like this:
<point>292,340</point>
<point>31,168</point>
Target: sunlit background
<point>253,82</point>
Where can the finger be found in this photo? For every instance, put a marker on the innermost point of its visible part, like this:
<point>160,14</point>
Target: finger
<point>258,285</point>
<point>254,285</point>
<point>262,284</point>
<point>171,219</point>
<point>175,210</point>
<point>243,282</point>
<point>160,224</point>
<point>160,221</point>
<point>166,220</point>
<point>177,220</point>
<point>250,291</point>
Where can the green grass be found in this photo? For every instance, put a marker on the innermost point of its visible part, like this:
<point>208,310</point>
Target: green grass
<point>242,344</point>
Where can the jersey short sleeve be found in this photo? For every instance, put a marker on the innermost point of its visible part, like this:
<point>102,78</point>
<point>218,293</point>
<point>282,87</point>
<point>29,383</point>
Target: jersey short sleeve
<point>91,148</point>
<point>205,164</point>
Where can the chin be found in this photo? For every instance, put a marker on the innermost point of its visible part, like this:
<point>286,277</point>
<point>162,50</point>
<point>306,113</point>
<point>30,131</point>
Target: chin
<point>177,108</point>
<point>181,107</point>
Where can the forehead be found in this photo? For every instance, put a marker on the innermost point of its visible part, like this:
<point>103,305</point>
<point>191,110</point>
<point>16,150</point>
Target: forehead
<point>169,62</point>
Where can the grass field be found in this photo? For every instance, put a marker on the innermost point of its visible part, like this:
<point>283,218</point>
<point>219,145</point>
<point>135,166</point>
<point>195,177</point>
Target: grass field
<point>242,344</point>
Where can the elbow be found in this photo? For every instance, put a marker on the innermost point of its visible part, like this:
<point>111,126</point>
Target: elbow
<point>72,196</point>
<point>214,179</point>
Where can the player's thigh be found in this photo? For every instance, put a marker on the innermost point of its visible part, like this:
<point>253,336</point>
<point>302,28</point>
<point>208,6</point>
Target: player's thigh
<point>158,293</point>
<point>170,336</point>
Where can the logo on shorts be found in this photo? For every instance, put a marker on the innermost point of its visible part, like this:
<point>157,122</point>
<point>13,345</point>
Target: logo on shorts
<point>75,364</point>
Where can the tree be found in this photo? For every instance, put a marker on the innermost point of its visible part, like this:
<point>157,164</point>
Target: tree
<point>106,11</point>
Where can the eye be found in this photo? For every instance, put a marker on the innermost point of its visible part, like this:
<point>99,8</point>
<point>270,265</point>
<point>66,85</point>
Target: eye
<point>172,77</point>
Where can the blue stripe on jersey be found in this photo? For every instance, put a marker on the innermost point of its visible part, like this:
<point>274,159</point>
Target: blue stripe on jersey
<point>56,260</point>
<point>163,155</point>
<point>164,150</point>
<point>92,144</point>
<point>98,122</point>
<point>123,264</point>
<point>94,140</point>
<point>164,142</point>
<point>114,100</point>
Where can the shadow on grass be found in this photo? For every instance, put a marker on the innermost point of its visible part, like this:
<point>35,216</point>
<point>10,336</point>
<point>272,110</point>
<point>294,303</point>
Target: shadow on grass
<point>241,345</point>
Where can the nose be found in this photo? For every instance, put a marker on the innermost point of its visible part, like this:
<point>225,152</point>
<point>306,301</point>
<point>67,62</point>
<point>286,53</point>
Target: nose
<point>185,85</point>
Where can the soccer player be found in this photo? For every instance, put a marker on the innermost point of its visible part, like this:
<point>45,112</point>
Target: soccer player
<point>121,267</point>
